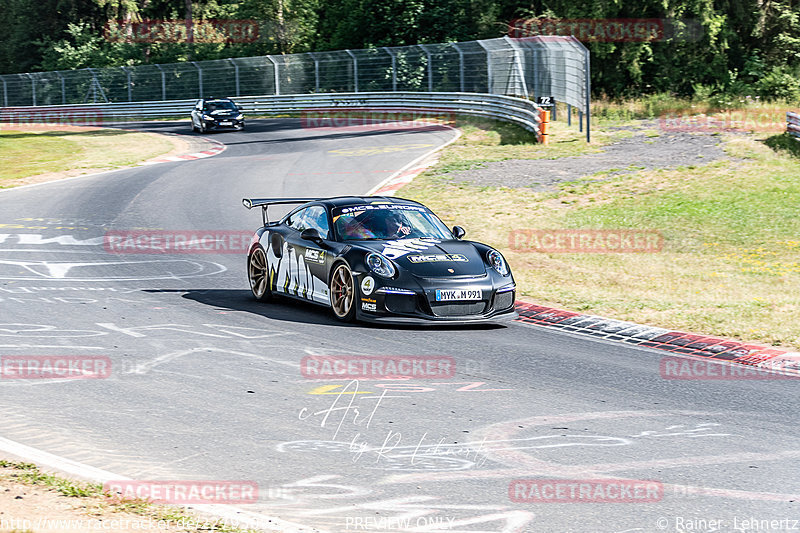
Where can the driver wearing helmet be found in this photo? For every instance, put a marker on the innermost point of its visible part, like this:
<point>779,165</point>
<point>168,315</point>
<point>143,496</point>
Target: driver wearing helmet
<point>397,227</point>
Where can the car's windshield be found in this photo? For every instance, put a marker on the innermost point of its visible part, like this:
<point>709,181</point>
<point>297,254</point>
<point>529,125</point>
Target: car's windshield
<point>220,105</point>
<point>388,221</point>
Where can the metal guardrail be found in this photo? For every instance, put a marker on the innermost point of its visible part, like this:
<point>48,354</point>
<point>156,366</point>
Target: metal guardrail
<point>507,108</point>
<point>793,124</point>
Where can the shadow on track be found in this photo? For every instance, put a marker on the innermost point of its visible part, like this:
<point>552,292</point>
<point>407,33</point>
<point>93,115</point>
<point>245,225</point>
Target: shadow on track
<point>290,310</point>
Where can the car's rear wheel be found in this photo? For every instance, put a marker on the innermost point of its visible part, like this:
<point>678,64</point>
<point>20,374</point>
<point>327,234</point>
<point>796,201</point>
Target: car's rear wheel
<point>343,293</point>
<point>258,274</point>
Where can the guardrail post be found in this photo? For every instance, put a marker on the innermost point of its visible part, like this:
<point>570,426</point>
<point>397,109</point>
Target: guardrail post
<point>199,79</point>
<point>569,115</point>
<point>277,75</point>
<point>63,88</point>
<point>235,74</point>
<point>5,92</point>
<point>163,82</point>
<point>580,120</point>
<point>430,67</point>
<point>355,69</point>
<point>394,68</point>
<point>33,88</point>
<point>460,67</point>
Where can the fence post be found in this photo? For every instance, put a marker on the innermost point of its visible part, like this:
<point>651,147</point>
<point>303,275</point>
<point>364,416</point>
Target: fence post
<point>63,88</point>
<point>569,115</point>
<point>5,92</point>
<point>355,69</point>
<point>460,67</point>
<point>316,71</point>
<point>33,88</point>
<point>520,69</point>
<point>128,83</point>
<point>163,82</point>
<point>489,81</point>
<point>235,74</point>
<point>277,75</point>
<point>588,72</point>
<point>199,79</point>
<point>394,68</point>
<point>430,67</point>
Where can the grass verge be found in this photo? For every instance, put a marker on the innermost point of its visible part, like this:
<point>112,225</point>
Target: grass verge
<point>730,265</point>
<point>30,153</point>
<point>29,496</point>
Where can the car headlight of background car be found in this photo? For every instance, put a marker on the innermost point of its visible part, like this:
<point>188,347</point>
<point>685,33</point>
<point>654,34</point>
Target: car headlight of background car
<point>240,116</point>
<point>380,265</point>
<point>497,262</point>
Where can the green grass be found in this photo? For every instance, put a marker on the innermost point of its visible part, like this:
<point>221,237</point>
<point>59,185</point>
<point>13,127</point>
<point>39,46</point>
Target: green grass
<point>101,503</point>
<point>30,153</point>
<point>731,261</point>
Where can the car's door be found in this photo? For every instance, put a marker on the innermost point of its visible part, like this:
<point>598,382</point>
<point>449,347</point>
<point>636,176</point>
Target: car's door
<point>305,263</point>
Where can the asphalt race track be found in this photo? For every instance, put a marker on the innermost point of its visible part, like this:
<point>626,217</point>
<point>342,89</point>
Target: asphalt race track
<point>206,383</point>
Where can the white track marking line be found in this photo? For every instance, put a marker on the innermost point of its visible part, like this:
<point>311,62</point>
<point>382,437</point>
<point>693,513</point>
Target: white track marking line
<point>414,162</point>
<point>82,471</point>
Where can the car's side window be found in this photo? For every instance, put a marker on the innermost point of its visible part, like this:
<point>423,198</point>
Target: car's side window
<point>317,218</point>
<point>311,217</point>
<point>297,221</point>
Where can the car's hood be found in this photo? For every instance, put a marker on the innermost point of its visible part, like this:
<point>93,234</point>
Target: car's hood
<point>432,258</point>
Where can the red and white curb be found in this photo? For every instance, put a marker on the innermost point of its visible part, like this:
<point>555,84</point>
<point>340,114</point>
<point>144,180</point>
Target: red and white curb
<point>677,342</point>
<point>216,148</point>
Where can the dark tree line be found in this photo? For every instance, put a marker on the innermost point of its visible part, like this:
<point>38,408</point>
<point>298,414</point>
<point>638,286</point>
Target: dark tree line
<point>735,47</point>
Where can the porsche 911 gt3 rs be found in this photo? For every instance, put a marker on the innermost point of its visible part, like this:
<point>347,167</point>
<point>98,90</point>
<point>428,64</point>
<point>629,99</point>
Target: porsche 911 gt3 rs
<point>377,259</point>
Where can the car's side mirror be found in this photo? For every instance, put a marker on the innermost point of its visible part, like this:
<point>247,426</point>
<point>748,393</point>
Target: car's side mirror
<point>311,234</point>
<point>459,232</point>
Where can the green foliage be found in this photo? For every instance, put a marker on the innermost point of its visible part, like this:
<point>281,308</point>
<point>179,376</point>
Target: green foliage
<point>715,50</point>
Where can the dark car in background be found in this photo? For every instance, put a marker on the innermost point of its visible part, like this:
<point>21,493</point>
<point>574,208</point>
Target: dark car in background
<point>210,114</point>
<point>378,259</point>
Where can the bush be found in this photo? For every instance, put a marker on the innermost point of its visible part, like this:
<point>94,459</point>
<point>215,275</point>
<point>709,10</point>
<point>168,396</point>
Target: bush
<point>779,84</point>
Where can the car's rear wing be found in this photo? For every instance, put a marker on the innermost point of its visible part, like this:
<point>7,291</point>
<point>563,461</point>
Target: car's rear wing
<point>264,204</point>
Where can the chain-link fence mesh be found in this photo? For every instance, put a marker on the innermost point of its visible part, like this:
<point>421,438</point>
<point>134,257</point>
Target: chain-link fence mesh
<point>526,67</point>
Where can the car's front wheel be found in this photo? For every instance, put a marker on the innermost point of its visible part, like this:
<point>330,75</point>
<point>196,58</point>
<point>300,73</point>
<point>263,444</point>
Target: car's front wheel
<point>343,293</point>
<point>258,274</point>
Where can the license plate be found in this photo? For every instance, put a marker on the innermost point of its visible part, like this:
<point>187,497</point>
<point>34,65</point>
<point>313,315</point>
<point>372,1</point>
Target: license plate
<point>444,295</point>
<point>226,123</point>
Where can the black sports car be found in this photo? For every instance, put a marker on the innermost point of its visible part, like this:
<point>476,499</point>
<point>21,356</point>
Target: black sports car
<point>215,114</point>
<point>378,259</point>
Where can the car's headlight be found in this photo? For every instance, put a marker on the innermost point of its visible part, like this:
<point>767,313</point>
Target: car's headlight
<point>380,265</point>
<point>239,116</point>
<point>208,117</point>
<point>498,262</point>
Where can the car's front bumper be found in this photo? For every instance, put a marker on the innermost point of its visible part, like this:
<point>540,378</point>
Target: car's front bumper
<point>224,124</point>
<point>404,305</point>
